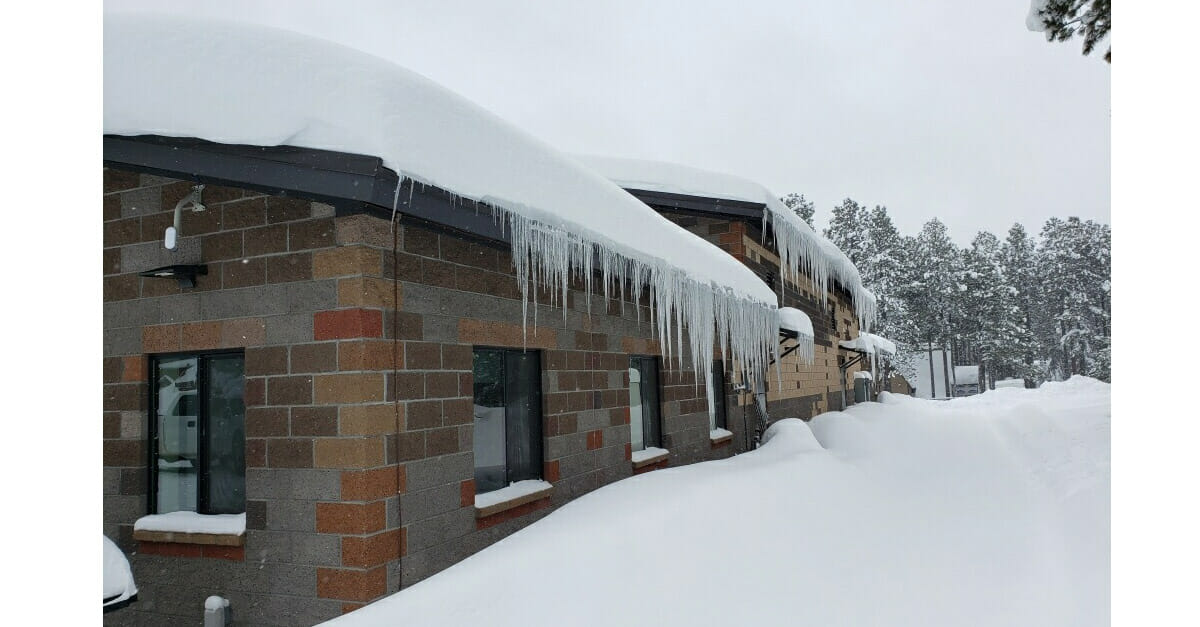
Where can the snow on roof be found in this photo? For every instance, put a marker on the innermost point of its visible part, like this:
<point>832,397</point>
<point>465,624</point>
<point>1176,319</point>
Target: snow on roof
<point>241,83</point>
<point>118,578</point>
<point>966,375</point>
<point>870,343</point>
<point>799,247</point>
<point>793,319</point>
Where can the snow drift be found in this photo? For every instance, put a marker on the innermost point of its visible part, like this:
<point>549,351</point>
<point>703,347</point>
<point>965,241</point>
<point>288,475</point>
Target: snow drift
<point>987,510</point>
<point>240,83</point>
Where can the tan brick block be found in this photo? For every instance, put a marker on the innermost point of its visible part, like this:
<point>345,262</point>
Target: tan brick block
<point>332,389</point>
<point>370,355</point>
<point>367,291</point>
<point>243,332</point>
<point>161,338</point>
<point>374,484</point>
<point>349,452</point>
<point>374,550</point>
<point>492,333</point>
<point>347,261</point>
<point>200,336</point>
<point>370,419</point>
<point>351,585</point>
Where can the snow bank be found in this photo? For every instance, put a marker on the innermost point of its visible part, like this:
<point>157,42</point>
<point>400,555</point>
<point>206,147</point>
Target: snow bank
<point>240,83</point>
<point>191,522</point>
<point>118,578</point>
<point>991,510</point>
<point>800,248</point>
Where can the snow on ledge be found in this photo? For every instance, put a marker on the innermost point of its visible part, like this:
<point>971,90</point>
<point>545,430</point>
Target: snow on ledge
<point>512,492</point>
<point>796,321</point>
<point>649,454</point>
<point>720,435</point>
<point>191,522</point>
<point>118,577</point>
<point>862,374</point>
<point>870,343</point>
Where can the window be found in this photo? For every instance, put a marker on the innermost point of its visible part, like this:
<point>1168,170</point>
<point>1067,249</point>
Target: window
<point>508,417</point>
<point>198,437</point>
<point>644,418</point>
<point>716,404</point>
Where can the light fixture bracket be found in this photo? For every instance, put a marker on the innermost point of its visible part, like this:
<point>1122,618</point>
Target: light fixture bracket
<point>184,273</point>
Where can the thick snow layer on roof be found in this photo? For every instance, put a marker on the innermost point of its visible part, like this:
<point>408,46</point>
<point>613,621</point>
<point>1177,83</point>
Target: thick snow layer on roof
<point>191,522</point>
<point>118,578</point>
<point>249,84</point>
<point>966,375</point>
<point>793,319</point>
<point>799,247</point>
<point>870,343</point>
<point>990,510</point>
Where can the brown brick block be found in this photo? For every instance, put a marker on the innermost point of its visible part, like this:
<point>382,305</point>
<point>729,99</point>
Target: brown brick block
<point>441,441</point>
<point>365,452</point>
<point>407,325</point>
<point>243,332</point>
<point>244,213</point>
<point>373,550</point>
<point>267,360</point>
<point>112,369</point>
<point>351,518</point>
<point>124,397</point>
<point>200,336</point>
<point>492,333</point>
<point>243,272</point>
<point>134,368</point>
<point>550,471</point>
<point>595,439</point>
<point>255,393</point>
<point>364,229</point>
<point>422,355</point>
<point>375,419</point>
<point>363,387</point>
<point>120,180</point>
<point>406,385</point>
<point>374,484</point>
<point>112,261</point>
<point>348,261</point>
<point>466,491</point>
<point>440,384</point>
<point>322,420</point>
<point>350,607</point>
<point>112,425</point>
<point>264,422</point>
<point>459,411</point>
<point>288,268</point>
<point>266,240</point>
<point>122,232</point>
<point>367,291</point>
<point>221,246</point>
<point>456,357</point>
<point>256,453</point>
<point>295,390</point>
<point>423,414</point>
<point>319,357</point>
<point>351,585</point>
<point>407,446</point>
<point>124,453</point>
<point>347,324</point>
<point>628,451</point>
<point>310,234</point>
<point>284,209</point>
<point>421,242</point>
<point>370,355</point>
<point>121,287</point>
<point>289,452</point>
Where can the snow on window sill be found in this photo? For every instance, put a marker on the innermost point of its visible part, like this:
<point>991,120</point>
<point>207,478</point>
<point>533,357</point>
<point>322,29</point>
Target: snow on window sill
<point>648,456</point>
<point>192,528</point>
<point>720,436</point>
<point>514,495</point>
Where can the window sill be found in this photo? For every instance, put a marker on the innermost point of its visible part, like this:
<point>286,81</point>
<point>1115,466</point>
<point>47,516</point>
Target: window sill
<point>718,437</point>
<point>511,497</point>
<point>192,528</point>
<point>649,457</point>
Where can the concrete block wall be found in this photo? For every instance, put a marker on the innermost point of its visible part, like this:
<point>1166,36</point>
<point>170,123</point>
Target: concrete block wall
<point>358,391</point>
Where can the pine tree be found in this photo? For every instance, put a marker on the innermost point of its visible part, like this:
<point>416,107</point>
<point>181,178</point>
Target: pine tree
<point>1063,19</point>
<point>992,321</point>
<point>1074,265</point>
<point>932,290</point>
<point>848,230</point>
<point>1018,266</point>
<point>803,207</point>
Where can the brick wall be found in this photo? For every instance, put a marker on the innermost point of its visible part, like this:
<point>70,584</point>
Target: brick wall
<point>358,395</point>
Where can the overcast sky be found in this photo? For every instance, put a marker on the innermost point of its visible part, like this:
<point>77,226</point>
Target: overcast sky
<point>934,108</point>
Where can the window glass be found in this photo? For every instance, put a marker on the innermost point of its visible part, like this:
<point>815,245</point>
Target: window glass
<point>636,437</point>
<point>490,431</point>
<point>523,415</point>
<point>716,404</point>
<point>225,436</point>
<point>645,428</point>
<point>177,425</point>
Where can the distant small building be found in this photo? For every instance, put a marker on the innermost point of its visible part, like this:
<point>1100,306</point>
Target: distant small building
<point>966,380</point>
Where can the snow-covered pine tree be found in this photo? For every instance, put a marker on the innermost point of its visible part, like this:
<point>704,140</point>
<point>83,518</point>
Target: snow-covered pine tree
<point>1017,262</point>
<point>886,260</point>
<point>849,231</point>
<point>802,206</point>
<point>1062,19</point>
<point>932,291</point>
<point>992,322</point>
<point>1074,266</point>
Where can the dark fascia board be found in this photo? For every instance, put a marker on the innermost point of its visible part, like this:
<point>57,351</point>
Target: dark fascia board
<point>352,183</point>
<point>738,209</point>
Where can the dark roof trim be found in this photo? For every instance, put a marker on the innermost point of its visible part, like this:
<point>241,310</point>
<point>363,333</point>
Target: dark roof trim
<point>350,182</point>
<point>699,204</point>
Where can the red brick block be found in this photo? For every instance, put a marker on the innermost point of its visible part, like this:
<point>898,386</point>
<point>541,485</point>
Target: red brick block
<point>368,551</point>
<point>378,483</point>
<point>467,493</point>
<point>347,323</point>
<point>550,471</point>
<point>509,514</point>
<point>595,439</point>
<point>351,585</point>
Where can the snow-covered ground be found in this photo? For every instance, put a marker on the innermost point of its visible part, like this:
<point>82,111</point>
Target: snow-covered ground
<point>986,510</point>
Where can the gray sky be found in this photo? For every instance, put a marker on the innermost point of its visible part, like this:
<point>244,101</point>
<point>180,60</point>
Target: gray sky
<point>934,108</point>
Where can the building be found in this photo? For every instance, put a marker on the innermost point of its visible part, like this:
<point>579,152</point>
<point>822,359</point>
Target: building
<point>347,346</point>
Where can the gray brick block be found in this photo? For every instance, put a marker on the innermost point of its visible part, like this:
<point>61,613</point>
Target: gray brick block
<point>305,484</point>
<point>119,508</point>
<point>180,307</point>
<point>112,481</point>
<point>426,299</point>
<point>127,341</point>
<point>291,515</point>
<point>130,313</point>
<point>150,255</point>
<point>285,609</point>
<point>141,201</point>
<point>289,329</point>
<point>425,504</point>
<point>428,473</point>
<point>237,303</point>
<point>316,549</point>
<point>438,328</point>
<point>446,527</point>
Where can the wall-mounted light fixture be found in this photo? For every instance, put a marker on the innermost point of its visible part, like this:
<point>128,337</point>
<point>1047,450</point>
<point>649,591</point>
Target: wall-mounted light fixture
<point>185,274</point>
<point>171,238</point>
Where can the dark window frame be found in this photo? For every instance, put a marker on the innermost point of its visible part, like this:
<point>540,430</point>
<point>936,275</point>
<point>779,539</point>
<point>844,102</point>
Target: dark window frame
<point>652,431</point>
<point>202,358</point>
<point>534,468</point>
<point>720,411</point>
